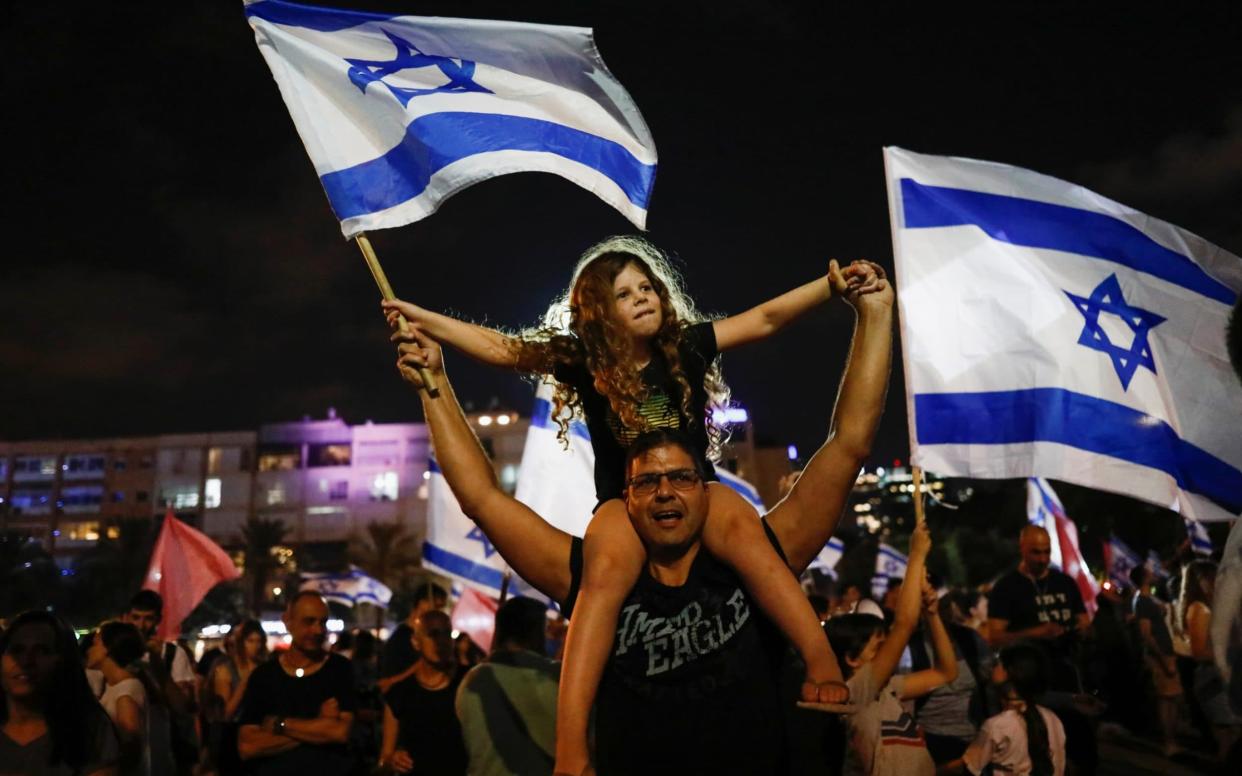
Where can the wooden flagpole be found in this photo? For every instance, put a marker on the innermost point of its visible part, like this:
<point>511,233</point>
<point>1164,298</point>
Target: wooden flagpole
<point>381,280</point>
<point>918,495</point>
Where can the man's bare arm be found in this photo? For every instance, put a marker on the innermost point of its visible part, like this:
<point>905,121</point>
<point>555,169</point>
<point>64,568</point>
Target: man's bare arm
<point>805,519</point>
<point>253,741</point>
<point>320,730</point>
<point>538,552</point>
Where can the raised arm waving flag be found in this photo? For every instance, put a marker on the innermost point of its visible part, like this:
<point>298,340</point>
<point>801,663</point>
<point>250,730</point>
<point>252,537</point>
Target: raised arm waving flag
<point>1050,332</point>
<point>398,113</point>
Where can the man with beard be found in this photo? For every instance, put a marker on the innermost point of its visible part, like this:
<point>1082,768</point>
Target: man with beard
<point>298,707</point>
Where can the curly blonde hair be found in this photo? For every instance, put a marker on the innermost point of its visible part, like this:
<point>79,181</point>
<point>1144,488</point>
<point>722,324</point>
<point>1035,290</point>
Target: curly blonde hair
<point>581,328</point>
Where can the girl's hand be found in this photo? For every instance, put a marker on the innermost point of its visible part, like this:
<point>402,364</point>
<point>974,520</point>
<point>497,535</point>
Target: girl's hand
<point>396,307</point>
<point>868,284</point>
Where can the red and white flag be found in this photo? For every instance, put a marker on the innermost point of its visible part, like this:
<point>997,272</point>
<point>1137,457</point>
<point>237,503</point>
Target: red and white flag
<point>1044,509</point>
<point>475,616</point>
<point>184,566</point>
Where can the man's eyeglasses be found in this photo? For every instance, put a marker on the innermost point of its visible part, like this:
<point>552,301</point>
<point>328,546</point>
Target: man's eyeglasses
<point>680,479</point>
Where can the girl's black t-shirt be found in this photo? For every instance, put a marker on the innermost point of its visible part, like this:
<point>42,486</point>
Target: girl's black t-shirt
<point>661,409</point>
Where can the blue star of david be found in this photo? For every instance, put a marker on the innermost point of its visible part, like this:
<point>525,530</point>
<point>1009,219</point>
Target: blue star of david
<point>1107,298</point>
<point>478,536</point>
<point>460,73</point>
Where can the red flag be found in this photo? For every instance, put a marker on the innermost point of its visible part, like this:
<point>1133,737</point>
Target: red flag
<point>1073,563</point>
<point>475,615</point>
<point>184,566</point>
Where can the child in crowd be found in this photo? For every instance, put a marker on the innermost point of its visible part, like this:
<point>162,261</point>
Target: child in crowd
<point>883,735</point>
<point>627,348</point>
<point>1025,739</point>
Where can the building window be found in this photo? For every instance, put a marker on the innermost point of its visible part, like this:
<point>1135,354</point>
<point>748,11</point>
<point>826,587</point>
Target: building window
<point>81,498</point>
<point>280,458</point>
<point>118,496</point>
<point>276,495</point>
<point>183,497</point>
<point>211,493</point>
<point>118,464</point>
<point>384,487</point>
<point>214,455</point>
<point>339,490</point>
<point>80,532</point>
<point>328,455</point>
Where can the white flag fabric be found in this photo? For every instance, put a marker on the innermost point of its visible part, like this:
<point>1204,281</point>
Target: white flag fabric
<point>1044,508</point>
<point>890,563</point>
<point>830,556</point>
<point>350,587</point>
<point>743,488</point>
<point>398,113</point>
<point>558,483</point>
<point>1048,331</point>
<point>457,548</point>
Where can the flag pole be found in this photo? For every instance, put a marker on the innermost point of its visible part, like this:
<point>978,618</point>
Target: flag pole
<point>918,495</point>
<point>381,280</point>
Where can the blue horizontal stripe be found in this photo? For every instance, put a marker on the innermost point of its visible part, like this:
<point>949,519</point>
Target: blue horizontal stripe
<point>541,417</point>
<point>312,17</point>
<point>433,466</point>
<point>1080,421</point>
<point>437,140</point>
<point>458,566</point>
<point>1034,224</point>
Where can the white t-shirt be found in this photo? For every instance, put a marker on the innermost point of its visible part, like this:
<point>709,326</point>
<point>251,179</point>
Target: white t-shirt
<point>181,671</point>
<point>1001,742</point>
<point>126,687</point>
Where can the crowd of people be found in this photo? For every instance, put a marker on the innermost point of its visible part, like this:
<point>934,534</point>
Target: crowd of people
<point>690,643</point>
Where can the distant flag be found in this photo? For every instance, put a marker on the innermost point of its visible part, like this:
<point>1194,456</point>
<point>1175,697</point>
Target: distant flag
<point>1120,560</point>
<point>1157,566</point>
<point>398,113</point>
<point>558,483</point>
<point>830,556</point>
<point>474,614</point>
<point>350,587</point>
<point>1200,541</point>
<point>1048,331</point>
<point>890,563</point>
<point>1044,509</point>
<point>743,488</point>
<point>185,565</point>
<point>457,548</point>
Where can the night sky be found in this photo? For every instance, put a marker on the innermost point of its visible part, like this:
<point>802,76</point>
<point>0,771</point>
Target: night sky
<point>172,265</point>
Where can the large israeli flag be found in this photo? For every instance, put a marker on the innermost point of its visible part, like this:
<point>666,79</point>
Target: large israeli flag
<point>1049,331</point>
<point>398,113</point>
<point>557,482</point>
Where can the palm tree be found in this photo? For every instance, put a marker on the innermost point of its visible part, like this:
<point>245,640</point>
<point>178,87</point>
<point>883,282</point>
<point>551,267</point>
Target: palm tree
<point>388,553</point>
<point>260,535</point>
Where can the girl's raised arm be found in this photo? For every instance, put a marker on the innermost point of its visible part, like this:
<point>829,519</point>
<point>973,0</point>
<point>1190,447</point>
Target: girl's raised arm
<point>766,319</point>
<point>909,601</point>
<point>489,346</point>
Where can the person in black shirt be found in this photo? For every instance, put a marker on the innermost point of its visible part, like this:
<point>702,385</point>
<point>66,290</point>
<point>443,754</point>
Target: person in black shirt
<point>666,503</point>
<point>399,652</point>
<point>298,708</point>
<point>421,731</point>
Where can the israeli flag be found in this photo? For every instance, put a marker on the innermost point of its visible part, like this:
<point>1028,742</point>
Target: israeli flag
<point>743,488</point>
<point>350,587</point>
<point>830,556</point>
<point>398,113</point>
<point>890,563</point>
<point>1121,560</point>
<point>1048,331</point>
<point>1200,541</point>
<point>558,483</point>
<point>458,549</point>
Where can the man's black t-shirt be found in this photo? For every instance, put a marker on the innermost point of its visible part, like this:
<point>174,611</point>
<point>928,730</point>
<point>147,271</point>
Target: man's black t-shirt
<point>399,652</point>
<point>661,409</point>
<point>428,727</point>
<point>692,684</point>
<point>1026,603</point>
<point>271,691</point>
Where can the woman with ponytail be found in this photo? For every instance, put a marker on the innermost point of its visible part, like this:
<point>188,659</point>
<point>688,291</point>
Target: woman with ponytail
<point>1025,739</point>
